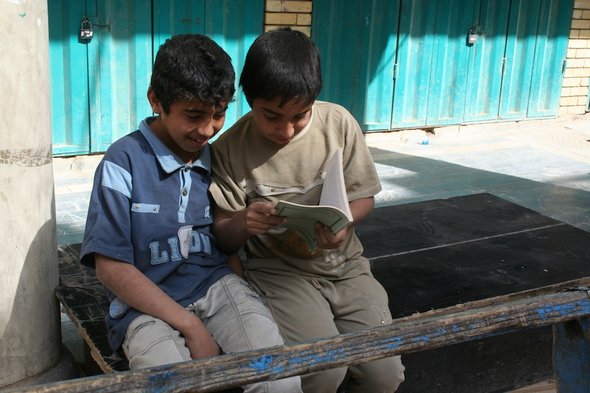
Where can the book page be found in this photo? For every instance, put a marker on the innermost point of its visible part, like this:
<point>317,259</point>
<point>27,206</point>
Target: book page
<point>334,189</point>
<point>302,218</point>
<point>333,210</point>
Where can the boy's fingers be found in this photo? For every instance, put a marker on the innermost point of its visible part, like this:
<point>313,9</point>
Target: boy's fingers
<point>264,208</point>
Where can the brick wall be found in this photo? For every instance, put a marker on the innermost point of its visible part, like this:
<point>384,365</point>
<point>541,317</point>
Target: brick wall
<point>574,95</point>
<point>294,13</point>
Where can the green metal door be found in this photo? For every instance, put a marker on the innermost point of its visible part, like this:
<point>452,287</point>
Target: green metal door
<point>536,49</point>
<point>99,87</point>
<point>233,24</point>
<point>445,100</point>
<point>357,41</point>
<point>486,62</point>
<point>413,67</point>
<point>518,62</point>
<point>119,67</point>
<point>433,59</point>
<point>69,95</point>
<point>512,69</point>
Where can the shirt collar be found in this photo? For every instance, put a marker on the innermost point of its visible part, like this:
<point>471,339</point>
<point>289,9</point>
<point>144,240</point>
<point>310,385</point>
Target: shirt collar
<point>169,161</point>
<point>308,125</point>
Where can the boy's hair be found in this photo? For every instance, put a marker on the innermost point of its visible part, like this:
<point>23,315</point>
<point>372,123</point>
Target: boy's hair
<point>283,64</point>
<point>192,67</point>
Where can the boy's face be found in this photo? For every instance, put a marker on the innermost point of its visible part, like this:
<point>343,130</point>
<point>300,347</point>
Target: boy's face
<point>188,126</point>
<point>280,124</point>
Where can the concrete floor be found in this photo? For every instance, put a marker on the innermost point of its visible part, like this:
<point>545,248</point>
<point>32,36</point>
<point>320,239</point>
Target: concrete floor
<point>542,165</point>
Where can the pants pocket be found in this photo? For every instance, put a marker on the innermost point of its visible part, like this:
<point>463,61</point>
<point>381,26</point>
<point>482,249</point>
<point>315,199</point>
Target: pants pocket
<point>151,342</point>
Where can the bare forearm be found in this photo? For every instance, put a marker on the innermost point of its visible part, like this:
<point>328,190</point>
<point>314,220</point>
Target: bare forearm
<point>137,291</point>
<point>233,231</point>
<point>361,208</point>
<point>230,232</point>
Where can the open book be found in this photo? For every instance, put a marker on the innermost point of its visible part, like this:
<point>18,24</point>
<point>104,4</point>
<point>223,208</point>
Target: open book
<point>333,210</point>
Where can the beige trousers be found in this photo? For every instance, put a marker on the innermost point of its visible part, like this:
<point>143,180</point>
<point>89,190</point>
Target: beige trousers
<point>236,317</point>
<point>307,308</point>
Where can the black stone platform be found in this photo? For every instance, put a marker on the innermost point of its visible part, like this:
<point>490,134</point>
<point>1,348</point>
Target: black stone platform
<point>439,253</point>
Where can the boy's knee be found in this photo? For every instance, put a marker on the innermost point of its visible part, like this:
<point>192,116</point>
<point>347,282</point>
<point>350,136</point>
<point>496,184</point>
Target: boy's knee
<point>151,342</point>
<point>324,381</point>
<point>287,385</point>
<point>381,376</point>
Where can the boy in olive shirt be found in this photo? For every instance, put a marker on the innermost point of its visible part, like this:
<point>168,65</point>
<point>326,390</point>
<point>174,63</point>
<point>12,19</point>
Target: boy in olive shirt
<point>279,151</point>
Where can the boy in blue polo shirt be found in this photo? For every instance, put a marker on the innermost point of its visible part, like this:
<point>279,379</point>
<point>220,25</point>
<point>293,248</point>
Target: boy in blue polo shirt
<point>148,232</point>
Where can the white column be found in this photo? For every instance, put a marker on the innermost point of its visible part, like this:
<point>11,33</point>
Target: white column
<point>30,340</point>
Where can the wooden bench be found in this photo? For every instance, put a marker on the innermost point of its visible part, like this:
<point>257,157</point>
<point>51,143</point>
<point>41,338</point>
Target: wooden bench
<point>565,305</point>
<point>474,258</point>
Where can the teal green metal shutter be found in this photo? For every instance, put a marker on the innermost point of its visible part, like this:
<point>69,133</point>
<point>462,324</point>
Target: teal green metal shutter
<point>415,55</point>
<point>446,93</point>
<point>433,59</point>
<point>535,51</point>
<point>487,62</point>
<point>550,56</point>
<point>173,17</point>
<point>513,70</point>
<point>120,62</point>
<point>99,88</point>
<point>357,42</point>
<point>520,53</point>
<point>69,95</point>
<point>233,24</point>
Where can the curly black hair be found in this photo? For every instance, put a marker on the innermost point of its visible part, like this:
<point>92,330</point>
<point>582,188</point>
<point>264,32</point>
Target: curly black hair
<point>192,67</point>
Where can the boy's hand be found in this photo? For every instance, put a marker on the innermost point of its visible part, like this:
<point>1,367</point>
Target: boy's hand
<point>260,217</point>
<point>235,264</point>
<point>198,340</point>
<point>327,240</point>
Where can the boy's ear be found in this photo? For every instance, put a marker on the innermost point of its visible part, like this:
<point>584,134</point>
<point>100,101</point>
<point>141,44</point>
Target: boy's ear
<point>154,102</point>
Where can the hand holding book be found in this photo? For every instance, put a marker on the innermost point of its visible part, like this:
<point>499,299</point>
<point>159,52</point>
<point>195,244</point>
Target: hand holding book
<point>333,210</point>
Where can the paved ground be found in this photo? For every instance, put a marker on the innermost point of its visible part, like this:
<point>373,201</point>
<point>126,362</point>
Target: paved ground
<point>542,165</point>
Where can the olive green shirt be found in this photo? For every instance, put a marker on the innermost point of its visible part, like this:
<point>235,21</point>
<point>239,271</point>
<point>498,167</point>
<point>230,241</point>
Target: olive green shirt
<point>248,167</point>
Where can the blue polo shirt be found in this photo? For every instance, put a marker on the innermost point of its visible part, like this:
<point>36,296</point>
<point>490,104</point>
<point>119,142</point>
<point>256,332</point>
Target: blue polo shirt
<point>150,209</point>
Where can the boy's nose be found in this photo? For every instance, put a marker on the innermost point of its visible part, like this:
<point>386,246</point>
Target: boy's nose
<point>287,130</point>
<point>207,129</point>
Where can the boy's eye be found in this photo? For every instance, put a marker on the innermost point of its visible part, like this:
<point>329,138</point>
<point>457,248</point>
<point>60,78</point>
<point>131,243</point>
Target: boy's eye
<point>219,115</point>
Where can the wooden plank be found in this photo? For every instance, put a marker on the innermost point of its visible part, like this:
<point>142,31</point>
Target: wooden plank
<point>456,324</point>
<point>85,302</point>
<point>541,387</point>
<point>571,356</point>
